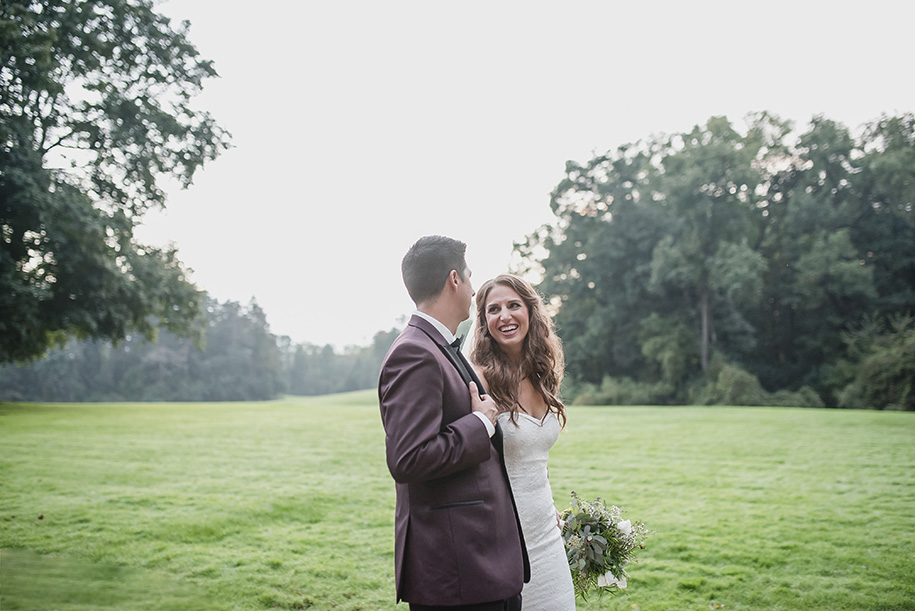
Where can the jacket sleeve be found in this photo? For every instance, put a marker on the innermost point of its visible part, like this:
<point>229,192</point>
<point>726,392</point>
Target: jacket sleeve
<point>419,445</point>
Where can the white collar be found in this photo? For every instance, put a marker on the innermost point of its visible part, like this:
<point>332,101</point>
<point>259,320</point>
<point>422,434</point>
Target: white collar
<point>441,328</point>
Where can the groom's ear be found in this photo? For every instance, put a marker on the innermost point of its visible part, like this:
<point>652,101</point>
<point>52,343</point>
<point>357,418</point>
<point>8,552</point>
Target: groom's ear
<point>447,286</point>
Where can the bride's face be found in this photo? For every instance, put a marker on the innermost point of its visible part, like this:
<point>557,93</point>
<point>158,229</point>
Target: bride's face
<point>507,318</point>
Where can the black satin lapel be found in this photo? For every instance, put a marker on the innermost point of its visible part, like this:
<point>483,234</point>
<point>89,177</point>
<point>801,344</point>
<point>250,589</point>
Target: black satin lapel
<point>460,363</point>
<point>448,352</point>
<point>471,372</point>
<point>497,442</point>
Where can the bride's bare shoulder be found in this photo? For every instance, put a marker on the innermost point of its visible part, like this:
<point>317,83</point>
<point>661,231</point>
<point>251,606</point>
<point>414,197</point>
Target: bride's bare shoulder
<point>481,374</point>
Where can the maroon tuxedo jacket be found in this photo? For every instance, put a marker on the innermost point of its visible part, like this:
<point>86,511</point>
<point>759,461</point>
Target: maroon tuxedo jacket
<point>457,537</point>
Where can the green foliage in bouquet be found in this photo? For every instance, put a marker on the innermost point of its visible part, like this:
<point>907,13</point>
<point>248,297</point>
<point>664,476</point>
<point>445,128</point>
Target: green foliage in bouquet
<point>599,544</point>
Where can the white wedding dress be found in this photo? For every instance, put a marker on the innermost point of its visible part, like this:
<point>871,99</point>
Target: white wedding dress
<point>527,446</point>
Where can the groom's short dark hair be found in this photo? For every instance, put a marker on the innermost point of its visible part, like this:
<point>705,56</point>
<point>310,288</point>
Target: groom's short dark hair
<point>427,264</point>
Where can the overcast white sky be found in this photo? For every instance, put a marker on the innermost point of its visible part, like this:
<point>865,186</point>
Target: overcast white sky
<point>360,126</point>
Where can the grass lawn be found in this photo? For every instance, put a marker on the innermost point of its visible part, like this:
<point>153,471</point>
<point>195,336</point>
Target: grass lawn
<point>288,505</point>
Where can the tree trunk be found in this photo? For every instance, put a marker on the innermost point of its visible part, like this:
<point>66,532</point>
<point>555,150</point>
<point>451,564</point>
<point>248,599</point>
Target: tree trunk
<point>703,313</point>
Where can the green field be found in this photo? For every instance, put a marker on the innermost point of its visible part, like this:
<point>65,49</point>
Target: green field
<point>288,505</point>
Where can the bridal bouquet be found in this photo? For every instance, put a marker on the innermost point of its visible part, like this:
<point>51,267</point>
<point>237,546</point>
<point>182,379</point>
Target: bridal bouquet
<point>599,544</point>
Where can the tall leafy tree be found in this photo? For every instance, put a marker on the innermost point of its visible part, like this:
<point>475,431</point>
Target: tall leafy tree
<point>597,269</point>
<point>95,112</point>
<point>885,232</point>
<point>710,179</point>
<point>818,281</point>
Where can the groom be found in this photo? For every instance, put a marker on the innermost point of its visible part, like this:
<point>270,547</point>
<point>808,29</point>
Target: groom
<point>458,542</point>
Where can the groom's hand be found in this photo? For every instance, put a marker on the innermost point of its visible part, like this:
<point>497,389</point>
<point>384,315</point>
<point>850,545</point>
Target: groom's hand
<point>483,403</point>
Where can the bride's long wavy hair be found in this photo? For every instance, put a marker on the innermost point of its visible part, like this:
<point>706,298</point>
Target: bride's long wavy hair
<point>542,359</point>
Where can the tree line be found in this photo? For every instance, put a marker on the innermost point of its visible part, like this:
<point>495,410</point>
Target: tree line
<point>755,266</point>
<point>719,265</point>
<point>236,358</point>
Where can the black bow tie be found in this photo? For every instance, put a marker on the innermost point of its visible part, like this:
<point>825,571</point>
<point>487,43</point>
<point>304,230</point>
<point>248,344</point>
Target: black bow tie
<point>456,344</point>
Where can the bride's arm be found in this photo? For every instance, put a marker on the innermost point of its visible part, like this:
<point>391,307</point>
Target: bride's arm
<point>482,376</point>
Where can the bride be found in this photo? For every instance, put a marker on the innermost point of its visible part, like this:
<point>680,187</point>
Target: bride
<point>519,358</point>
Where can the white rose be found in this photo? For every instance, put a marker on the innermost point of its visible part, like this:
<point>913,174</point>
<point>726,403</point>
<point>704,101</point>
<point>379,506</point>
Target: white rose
<point>625,527</point>
<point>607,580</point>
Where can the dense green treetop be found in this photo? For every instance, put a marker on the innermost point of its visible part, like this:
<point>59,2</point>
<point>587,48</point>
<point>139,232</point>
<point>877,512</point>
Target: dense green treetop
<point>95,113</point>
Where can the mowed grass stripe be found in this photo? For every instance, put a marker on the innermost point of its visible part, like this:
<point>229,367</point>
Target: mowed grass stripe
<point>288,505</point>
